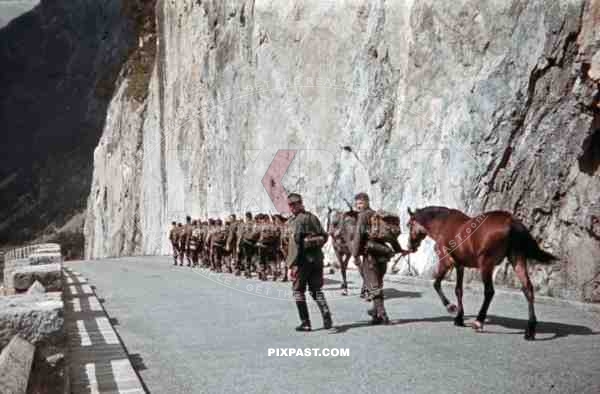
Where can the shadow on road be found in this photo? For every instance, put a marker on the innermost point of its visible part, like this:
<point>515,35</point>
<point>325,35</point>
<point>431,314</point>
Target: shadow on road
<point>395,293</point>
<point>338,329</point>
<point>560,330</point>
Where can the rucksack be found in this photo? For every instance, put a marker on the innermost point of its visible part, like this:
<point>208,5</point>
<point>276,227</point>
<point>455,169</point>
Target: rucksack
<point>220,236</point>
<point>384,226</point>
<point>195,239</point>
<point>249,232</point>
<point>269,234</point>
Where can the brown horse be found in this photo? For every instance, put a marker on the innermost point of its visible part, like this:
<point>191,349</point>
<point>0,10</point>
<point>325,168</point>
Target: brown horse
<point>341,228</point>
<point>480,242</point>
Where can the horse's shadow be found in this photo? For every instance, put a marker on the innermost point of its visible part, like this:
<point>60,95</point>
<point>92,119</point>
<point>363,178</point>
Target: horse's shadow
<point>338,329</point>
<point>559,330</point>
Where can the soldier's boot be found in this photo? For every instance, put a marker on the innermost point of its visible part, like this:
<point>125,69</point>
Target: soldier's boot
<point>325,312</point>
<point>304,317</point>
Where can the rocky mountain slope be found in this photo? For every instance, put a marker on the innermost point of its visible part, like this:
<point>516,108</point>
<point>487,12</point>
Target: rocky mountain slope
<point>59,63</point>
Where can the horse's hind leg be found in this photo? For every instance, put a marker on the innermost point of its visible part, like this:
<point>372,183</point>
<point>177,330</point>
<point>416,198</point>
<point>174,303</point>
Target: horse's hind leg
<point>520,265</point>
<point>488,294</point>
<point>459,319</point>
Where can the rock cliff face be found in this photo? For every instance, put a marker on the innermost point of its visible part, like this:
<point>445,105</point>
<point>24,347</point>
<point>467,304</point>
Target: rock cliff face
<point>473,105</point>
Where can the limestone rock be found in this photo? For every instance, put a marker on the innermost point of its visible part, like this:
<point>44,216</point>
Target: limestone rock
<point>45,258</point>
<point>49,275</point>
<point>36,288</point>
<point>15,366</point>
<point>37,318</point>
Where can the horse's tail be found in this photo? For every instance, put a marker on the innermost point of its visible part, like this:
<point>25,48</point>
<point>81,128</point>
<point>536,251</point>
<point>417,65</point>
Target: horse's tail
<point>523,243</point>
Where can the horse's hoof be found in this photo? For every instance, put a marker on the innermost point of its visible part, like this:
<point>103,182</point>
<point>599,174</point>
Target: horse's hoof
<point>477,326</point>
<point>452,309</point>
<point>344,292</point>
<point>529,336</point>
<point>459,322</point>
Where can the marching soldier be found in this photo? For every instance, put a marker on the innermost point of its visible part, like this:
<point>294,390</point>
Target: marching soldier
<point>187,235</point>
<point>230,249</point>
<point>217,242</point>
<point>203,238</point>
<point>247,244</point>
<point>268,247</point>
<point>173,240</point>
<point>210,229</point>
<point>279,222</point>
<point>194,242</point>
<point>180,243</point>
<point>305,261</point>
<point>375,256</point>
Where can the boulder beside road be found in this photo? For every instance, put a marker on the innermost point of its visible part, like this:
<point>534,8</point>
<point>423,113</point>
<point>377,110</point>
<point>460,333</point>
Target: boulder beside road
<point>49,275</point>
<point>38,318</point>
<point>15,366</point>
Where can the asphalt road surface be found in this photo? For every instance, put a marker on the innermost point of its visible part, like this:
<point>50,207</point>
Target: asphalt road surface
<point>188,331</point>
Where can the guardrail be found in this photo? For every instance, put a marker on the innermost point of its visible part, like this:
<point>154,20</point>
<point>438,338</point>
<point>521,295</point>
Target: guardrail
<point>25,251</point>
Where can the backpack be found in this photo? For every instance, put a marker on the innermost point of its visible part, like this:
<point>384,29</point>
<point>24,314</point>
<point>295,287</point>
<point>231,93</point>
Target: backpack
<point>269,234</point>
<point>249,232</point>
<point>194,239</point>
<point>220,236</point>
<point>384,226</point>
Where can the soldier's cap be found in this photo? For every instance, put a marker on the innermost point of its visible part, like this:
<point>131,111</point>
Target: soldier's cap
<point>194,222</point>
<point>211,221</point>
<point>174,223</point>
<point>188,218</point>
<point>249,215</point>
<point>362,197</point>
<point>179,224</point>
<point>232,216</point>
<point>294,198</point>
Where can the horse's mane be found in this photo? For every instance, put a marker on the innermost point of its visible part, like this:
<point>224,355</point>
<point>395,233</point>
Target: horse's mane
<point>425,215</point>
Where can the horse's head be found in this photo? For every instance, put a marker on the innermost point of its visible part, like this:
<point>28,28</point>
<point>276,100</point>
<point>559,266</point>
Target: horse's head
<point>333,220</point>
<point>416,232</point>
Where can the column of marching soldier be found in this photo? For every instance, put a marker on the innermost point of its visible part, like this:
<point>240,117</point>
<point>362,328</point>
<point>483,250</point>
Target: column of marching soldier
<point>275,245</point>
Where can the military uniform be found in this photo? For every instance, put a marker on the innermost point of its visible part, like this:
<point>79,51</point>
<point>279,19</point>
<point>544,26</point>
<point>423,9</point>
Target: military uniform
<point>306,238</point>
<point>187,235</point>
<point>232,249</point>
<point>247,245</point>
<point>180,243</point>
<point>372,267</point>
<point>268,247</point>
<point>217,244</point>
<point>174,245</point>
<point>194,244</point>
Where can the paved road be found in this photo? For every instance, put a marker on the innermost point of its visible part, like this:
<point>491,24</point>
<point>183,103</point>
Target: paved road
<point>188,332</point>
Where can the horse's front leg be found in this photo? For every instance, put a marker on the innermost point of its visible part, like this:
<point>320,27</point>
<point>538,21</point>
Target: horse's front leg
<point>344,268</point>
<point>442,269</point>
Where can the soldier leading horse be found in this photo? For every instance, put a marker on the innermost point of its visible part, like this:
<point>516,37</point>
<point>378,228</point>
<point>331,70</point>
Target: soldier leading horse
<point>481,242</point>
